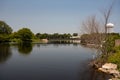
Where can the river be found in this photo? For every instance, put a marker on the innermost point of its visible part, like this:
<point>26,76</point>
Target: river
<point>47,62</point>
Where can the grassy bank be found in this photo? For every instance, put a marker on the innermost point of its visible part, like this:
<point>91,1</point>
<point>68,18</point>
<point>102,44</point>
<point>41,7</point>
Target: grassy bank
<point>115,57</point>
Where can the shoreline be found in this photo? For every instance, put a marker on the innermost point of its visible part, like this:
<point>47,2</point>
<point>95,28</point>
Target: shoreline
<point>113,73</point>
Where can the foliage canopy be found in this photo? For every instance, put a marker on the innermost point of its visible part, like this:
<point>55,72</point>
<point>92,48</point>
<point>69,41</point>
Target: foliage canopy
<point>24,34</point>
<point>5,28</point>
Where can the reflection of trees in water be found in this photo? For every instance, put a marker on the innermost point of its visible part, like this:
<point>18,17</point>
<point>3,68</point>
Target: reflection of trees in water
<point>25,48</point>
<point>75,44</point>
<point>60,42</point>
<point>38,45</point>
<point>5,52</point>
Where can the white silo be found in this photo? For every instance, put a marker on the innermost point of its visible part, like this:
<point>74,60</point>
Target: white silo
<point>110,28</point>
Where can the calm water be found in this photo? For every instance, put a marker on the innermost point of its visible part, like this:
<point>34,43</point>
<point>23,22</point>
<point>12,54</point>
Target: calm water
<point>45,62</point>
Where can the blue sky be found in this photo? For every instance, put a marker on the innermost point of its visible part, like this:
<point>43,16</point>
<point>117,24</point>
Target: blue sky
<point>54,16</point>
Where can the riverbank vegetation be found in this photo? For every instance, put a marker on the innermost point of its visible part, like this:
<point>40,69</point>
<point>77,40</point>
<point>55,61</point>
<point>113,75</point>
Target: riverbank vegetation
<point>5,32</point>
<point>54,36</point>
<point>115,57</point>
<point>97,35</point>
<point>26,35</point>
<point>104,43</point>
<point>23,34</point>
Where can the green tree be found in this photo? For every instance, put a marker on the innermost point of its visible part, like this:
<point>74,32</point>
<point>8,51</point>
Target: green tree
<point>53,36</point>
<point>5,28</point>
<point>44,36</point>
<point>5,31</point>
<point>38,35</point>
<point>75,34</point>
<point>25,34</point>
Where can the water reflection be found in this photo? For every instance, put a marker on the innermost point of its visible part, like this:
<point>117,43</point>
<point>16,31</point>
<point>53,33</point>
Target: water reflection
<point>5,52</point>
<point>66,62</point>
<point>75,44</point>
<point>55,45</point>
<point>25,48</point>
<point>59,45</point>
<point>60,42</point>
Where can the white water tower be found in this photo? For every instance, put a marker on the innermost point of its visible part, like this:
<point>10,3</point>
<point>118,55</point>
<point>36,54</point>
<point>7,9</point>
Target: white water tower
<point>110,28</point>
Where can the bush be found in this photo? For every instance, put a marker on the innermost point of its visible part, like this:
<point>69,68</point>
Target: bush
<point>25,34</point>
<point>4,38</point>
<point>115,57</point>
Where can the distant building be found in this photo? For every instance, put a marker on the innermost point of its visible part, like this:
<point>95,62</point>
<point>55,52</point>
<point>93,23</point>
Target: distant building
<point>45,40</point>
<point>117,42</point>
<point>75,37</point>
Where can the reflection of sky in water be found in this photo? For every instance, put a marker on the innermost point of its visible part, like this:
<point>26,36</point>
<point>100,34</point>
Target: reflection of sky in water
<point>47,62</point>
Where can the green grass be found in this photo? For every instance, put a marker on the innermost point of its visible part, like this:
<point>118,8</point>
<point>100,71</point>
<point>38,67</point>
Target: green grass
<point>115,59</point>
<point>36,40</point>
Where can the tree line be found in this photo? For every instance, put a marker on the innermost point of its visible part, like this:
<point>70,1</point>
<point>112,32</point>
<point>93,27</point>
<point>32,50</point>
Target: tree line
<point>25,34</point>
<point>53,36</point>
